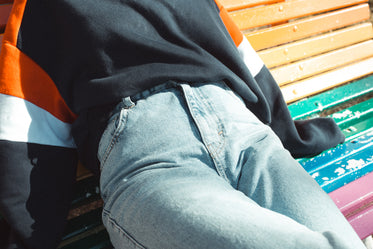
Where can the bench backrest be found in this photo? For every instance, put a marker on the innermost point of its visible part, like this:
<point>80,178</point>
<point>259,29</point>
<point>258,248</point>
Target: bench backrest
<point>309,45</point>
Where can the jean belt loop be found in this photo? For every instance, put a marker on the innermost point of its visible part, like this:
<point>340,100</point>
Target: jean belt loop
<point>127,102</point>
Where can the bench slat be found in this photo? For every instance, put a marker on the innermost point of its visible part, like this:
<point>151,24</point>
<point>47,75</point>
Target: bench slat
<point>231,5</point>
<point>322,63</point>
<point>281,12</point>
<point>356,203</point>
<point>314,105</point>
<point>96,238</point>
<point>341,165</point>
<point>347,117</point>
<point>316,45</point>
<point>83,223</point>
<point>362,222</point>
<point>273,36</point>
<point>311,86</point>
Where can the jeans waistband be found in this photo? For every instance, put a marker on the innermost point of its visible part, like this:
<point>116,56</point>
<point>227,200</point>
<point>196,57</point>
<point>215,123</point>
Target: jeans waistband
<point>128,102</point>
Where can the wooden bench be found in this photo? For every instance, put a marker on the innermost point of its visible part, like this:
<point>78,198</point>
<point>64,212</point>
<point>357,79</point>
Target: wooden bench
<point>313,49</point>
<point>321,54</point>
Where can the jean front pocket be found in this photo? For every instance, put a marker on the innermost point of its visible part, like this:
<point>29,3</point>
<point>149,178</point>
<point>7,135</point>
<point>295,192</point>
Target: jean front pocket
<point>111,134</point>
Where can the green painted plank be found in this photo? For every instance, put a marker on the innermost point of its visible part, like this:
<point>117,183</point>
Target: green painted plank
<point>329,99</point>
<point>358,129</point>
<point>354,114</point>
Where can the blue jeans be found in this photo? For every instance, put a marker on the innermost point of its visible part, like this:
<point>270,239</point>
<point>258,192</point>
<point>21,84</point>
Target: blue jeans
<point>191,167</point>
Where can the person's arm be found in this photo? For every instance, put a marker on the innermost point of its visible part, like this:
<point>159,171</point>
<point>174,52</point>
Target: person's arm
<point>37,153</point>
<point>301,138</point>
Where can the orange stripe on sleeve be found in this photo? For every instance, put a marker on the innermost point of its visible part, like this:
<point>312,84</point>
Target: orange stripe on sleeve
<point>22,77</point>
<point>232,28</point>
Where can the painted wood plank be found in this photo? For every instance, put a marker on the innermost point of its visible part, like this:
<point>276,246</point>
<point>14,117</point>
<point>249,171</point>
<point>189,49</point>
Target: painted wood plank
<point>360,112</point>
<point>355,200</point>
<point>338,166</point>
<point>311,86</point>
<point>287,53</point>
<point>274,36</point>
<point>312,106</point>
<point>280,12</point>
<point>232,5</point>
<point>315,65</point>
<point>346,197</point>
<point>362,223</point>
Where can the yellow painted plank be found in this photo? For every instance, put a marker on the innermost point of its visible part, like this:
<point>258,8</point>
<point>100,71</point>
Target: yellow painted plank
<point>297,30</point>
<point>280,12</point>
<point>322,63</point>
<point>311,86</point>
<point>232,5</point>
<point>287,53</point>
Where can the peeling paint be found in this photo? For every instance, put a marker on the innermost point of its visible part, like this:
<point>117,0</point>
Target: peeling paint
<point>367,141</point>
<point>340,171</point>
<point>314,175</point>
<point>342,115</point>
<point>355,164</point>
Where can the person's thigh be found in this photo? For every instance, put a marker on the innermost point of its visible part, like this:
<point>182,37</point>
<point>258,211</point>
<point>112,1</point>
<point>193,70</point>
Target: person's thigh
<point>166,183</point>
<point>183,206</point>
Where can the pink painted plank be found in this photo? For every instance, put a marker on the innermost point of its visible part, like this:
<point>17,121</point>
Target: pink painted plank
<point>362,222</point>
<point>355,200</point>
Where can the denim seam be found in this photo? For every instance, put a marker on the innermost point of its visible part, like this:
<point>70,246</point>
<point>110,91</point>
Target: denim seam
<point>212,152</point>
<point>122,231</point>
<point>115,137</point>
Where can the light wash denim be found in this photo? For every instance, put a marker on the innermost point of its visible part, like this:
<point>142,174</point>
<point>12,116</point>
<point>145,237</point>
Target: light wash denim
<point>189,166</point>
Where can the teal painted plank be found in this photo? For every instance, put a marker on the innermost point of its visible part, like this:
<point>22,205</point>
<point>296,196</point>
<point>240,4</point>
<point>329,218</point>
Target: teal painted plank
<point>358,129</point>
<point>354,114</point>
<point>326,100</point>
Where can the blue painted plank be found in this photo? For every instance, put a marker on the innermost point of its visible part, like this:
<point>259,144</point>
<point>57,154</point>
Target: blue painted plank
<point>341,165</point>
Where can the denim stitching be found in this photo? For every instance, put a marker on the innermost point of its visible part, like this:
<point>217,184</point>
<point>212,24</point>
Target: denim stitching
<point>122,231</point>
<point>115,136</point>
<point>190,101</point>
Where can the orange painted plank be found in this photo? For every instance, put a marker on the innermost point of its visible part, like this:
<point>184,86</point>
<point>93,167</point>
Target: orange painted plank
<point>314,85</point>
<point>278,13</point>
<point>287,53</point>
<point>4,14</point>
<point>322,63</point>
<point>232,5</point>
<point>296,30</point>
